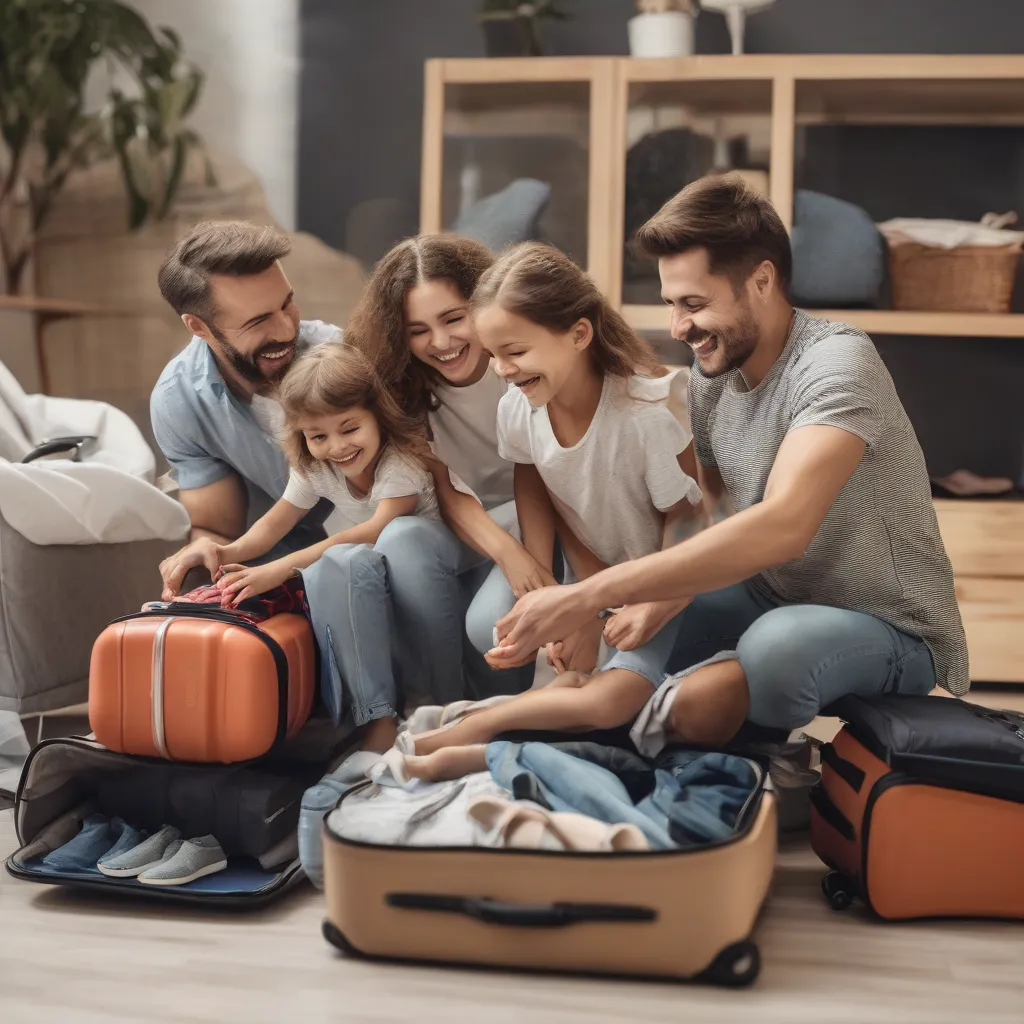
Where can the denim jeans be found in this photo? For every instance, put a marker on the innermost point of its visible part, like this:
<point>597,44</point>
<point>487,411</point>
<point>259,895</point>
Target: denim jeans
<point>438,586</point>
<point>686,804</point>
<point>799,658</point>
<point>350,608</point>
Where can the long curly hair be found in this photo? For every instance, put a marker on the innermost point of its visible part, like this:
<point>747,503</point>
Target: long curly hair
<point>330,378</point>
<point>541,284</point>
<point>377,324</point>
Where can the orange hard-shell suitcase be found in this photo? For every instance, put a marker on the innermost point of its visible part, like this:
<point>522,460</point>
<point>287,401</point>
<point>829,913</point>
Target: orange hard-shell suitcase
<point>920,809</point>
<point>197,683</point>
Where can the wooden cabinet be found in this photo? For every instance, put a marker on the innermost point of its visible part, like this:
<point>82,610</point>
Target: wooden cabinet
<point>488,121</point>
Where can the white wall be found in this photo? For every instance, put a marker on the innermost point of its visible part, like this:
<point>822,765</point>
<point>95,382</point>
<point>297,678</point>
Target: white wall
<point>249,50</point>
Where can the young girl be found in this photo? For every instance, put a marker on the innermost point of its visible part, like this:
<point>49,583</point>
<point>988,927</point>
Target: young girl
<point>413,322</point>
<point>587,410</point>
<point>349,442</point>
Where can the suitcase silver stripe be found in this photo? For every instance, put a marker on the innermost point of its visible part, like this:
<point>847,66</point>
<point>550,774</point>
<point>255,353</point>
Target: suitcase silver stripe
<point>156,689</point>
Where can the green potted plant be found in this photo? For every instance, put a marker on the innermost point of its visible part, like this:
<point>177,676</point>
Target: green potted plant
<point>512,28</point>
<point>49,49</point>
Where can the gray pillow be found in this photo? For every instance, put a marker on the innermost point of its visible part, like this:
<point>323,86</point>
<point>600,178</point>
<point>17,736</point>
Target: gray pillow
<point>506,217</point>
<point>838,253</point>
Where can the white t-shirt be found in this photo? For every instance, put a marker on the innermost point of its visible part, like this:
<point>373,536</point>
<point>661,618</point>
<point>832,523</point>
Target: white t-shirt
<point>396,477</point>
<point>466,438</point>
<point>613,485</point>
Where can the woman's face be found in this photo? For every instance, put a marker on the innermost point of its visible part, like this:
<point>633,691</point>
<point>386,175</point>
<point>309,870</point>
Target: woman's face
<point>440,332</point>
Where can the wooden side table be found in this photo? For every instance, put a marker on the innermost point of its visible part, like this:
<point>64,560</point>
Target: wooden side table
<point>45,311</point>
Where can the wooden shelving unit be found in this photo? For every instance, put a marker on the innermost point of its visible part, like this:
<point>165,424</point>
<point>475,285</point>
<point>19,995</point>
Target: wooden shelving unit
<point>598,103</point>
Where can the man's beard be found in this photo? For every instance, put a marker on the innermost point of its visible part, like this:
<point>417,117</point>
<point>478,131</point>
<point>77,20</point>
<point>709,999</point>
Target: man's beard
<point>734,344</point>
<point>247,367</point>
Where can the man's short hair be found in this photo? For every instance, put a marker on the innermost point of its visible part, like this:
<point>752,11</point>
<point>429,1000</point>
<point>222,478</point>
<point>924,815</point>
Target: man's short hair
<point>736,225</point>
<point>234,248</point>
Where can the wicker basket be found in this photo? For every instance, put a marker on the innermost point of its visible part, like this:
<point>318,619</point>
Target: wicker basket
<point>968,279</point>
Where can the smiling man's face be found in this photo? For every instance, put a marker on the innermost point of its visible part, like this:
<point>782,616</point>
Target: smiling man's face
<point>256,325</point>
<point>708,313</point>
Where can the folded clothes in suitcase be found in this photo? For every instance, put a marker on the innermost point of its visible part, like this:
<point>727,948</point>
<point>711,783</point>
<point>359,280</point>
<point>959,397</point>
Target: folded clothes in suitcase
<point>920,809</point>
<point>418,892</point>
<point>251,811</point>
<point>193,682</point>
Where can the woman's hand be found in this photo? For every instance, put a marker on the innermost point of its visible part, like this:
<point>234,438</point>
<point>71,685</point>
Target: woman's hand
<point>240,582</point>
<point>631,627</point>
<point>174,568</point>
<point>542,616</point>
<point>523,572</point>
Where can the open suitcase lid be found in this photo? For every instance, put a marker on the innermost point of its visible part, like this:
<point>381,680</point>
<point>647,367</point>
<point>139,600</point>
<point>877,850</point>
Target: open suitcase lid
<point>942,739</point>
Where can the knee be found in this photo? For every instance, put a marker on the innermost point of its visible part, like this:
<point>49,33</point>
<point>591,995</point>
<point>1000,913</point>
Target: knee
<point>480,627</point>
<point>354,560</point>
<point>412,541</point>
<point>783,694</point>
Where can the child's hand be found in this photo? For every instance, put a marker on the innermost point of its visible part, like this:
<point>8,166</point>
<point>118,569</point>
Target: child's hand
<point>579,651</point>
<point>635,624</point>
<point>240,582</point>
<point>524,573</point>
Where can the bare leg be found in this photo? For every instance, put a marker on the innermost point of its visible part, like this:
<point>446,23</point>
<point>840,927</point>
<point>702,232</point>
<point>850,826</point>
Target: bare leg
<point>449,763</point>
<point>711,705</point>
<point>380,735</point>
<point>606,700</point>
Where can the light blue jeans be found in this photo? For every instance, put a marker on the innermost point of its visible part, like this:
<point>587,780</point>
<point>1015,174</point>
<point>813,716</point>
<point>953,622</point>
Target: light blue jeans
<point>800,658</point>
<point>350,608</point>
<point>439,586</point>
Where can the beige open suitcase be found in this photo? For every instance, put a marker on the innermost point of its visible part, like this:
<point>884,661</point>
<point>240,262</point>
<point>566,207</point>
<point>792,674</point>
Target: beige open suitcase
<point>677,914</point>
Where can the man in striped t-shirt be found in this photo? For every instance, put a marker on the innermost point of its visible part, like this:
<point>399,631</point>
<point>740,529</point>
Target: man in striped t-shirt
<point>825,574</point>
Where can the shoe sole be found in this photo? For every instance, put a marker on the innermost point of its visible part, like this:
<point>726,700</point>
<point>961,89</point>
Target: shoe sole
<point>126,872</point>
<point>210,869</point>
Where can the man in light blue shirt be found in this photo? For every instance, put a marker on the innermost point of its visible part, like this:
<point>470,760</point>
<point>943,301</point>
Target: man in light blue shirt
<point>213,409</point>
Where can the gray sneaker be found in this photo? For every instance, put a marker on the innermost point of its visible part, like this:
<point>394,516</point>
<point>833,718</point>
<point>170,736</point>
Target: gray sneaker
<point>146,855</point>
<point>194,859</point>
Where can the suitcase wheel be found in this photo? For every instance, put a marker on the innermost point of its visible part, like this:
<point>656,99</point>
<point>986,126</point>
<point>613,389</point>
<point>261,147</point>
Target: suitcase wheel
<point>736,966</point>
<point>837,890</point>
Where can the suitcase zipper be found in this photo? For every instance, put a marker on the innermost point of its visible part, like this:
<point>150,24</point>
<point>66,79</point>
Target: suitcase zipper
<point>156,688</point>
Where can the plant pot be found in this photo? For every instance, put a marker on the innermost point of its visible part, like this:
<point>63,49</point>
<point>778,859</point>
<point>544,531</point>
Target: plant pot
<point>509,38</point>
<point>667,34</point>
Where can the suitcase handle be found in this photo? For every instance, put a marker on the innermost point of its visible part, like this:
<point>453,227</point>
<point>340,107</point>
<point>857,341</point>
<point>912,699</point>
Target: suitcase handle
<point>846,770</point>
<point>831,814</point>
<point>520,915</point>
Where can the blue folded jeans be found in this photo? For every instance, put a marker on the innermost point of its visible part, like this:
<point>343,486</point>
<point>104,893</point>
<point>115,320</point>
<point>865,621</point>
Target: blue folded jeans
<point>690,801</point>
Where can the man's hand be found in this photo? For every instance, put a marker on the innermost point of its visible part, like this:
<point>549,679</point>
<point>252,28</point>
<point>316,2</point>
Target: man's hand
<point>174,568</point>
<point>523,572</point>
<point>240,582</point>
<point>634,625</point>
<point>551,613</point>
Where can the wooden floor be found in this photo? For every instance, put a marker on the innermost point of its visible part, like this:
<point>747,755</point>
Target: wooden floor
<point>66,957</point>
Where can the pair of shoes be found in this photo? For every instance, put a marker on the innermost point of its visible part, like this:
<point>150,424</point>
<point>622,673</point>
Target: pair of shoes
<point>97,837</point>
<point>166,859</point>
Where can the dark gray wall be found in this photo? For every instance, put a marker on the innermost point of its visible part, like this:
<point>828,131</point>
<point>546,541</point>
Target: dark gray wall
<point>360,127</point>
<point>362,72</point>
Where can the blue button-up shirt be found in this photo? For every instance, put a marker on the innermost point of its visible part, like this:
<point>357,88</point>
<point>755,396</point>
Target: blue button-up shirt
<point>205,432</point>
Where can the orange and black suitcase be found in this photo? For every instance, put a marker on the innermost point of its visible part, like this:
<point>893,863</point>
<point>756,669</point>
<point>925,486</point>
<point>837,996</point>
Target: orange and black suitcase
<point>920,809</point>
<point>192,682</point>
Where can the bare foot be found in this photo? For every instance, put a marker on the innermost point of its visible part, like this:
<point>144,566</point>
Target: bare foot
<point>447,763</point>
<point>380,735</point>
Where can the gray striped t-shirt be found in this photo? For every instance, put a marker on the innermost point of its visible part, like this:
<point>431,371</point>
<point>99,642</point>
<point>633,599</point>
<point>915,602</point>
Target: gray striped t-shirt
<point>878,550</point>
